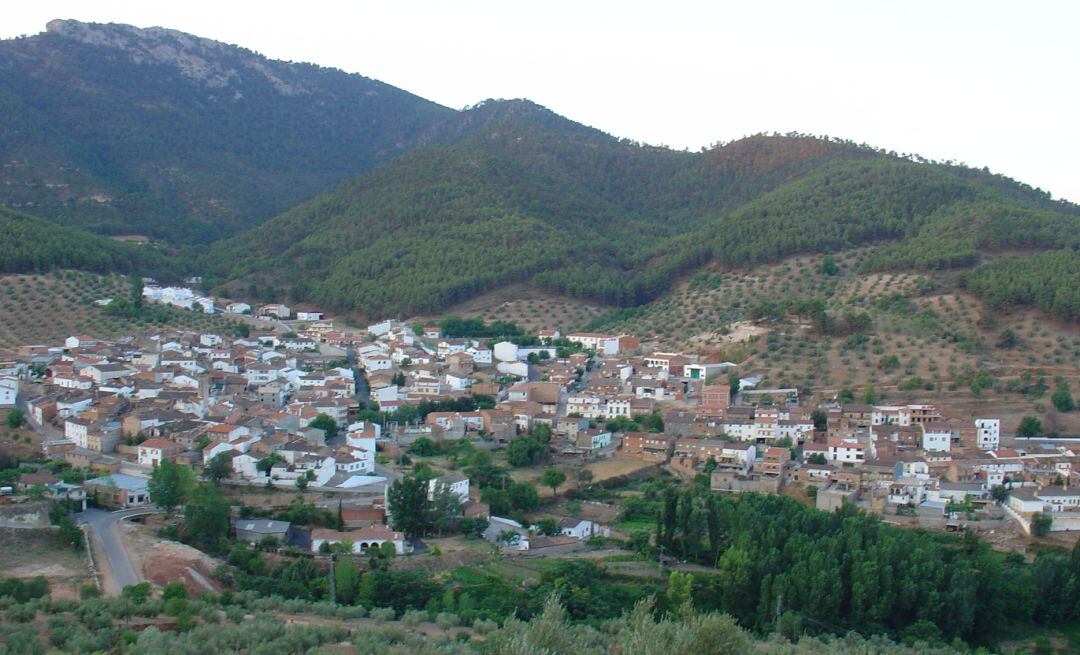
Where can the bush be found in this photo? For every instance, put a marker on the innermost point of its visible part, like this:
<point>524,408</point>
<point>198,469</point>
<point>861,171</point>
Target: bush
<point>446,620</point>
<point>89,591</point>
<point>484,626</point>
<point>382,614</point>
<point>24,590</point>
<point>174,590</point>
<point>413,618</point>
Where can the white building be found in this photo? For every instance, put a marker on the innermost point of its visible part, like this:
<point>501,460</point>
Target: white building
<point>9,391</point>
<point>846,451</point>
<point>989,433</point>
<point>936,439</point>
<point>582,529</point>
<point>458,484</point>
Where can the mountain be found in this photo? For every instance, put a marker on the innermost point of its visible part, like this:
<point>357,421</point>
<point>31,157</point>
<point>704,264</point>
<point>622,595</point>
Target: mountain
<point>122,130</point>
<point>344,191</point>
<point>532,197</point>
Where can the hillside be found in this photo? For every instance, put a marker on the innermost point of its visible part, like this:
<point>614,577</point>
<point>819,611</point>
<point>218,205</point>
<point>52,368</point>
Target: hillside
<point>29,244</point>
<point>151,131</point>
<point>48,308</point>
<point>536,199</point>
<point>926,333</point>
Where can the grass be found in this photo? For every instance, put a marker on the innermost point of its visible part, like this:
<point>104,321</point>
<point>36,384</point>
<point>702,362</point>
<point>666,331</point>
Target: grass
<point>633,525</point>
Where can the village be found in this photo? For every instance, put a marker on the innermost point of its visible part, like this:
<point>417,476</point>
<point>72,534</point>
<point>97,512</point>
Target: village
<point>300,406</point>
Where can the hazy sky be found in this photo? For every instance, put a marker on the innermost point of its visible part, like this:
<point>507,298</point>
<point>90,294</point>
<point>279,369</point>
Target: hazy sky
<point>987,83</point>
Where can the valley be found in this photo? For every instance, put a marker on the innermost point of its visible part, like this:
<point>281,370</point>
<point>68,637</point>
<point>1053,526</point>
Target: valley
<point>320,365</point>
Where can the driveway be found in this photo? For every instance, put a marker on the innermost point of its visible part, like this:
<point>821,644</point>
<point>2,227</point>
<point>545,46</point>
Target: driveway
<point>106,541</point>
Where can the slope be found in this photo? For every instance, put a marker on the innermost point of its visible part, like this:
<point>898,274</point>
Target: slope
<point>29,244</point>
<point>531,197</point>
<point>124,130</point>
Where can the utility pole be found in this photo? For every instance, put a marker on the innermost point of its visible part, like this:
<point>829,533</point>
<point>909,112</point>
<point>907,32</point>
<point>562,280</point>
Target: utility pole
<point>333,591</point>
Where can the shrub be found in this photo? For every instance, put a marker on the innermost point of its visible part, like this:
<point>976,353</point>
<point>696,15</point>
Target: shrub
<point>446,620</point>
<point>413,618</point>
<point>382,614</point>
<point>89,591</point>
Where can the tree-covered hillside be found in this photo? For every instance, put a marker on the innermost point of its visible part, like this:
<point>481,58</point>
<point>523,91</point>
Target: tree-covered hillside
<point>124,130</point>
<point>535,198</point>
<point>29,244</point>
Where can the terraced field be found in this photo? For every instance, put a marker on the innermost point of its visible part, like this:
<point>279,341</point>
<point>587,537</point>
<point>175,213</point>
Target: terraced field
<point>929,338</point>
<point>45,309</point>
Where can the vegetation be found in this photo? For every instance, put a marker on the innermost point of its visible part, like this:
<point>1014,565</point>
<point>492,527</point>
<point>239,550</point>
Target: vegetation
<point>29,244</point>
<point>1049,281</point>
<point>139,146</point>
<point>847,569</point>
<point>169,484</point>
<point>531,177</point>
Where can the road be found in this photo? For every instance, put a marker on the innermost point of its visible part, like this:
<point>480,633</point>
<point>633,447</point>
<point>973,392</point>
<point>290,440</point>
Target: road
<point>50,435</point>
<point>105,535</point>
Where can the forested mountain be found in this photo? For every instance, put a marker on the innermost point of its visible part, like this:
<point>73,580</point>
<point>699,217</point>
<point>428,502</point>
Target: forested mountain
<point>114,129</point>
<point>29,244</point>
<point>124,130</point>
<point>532,197</point>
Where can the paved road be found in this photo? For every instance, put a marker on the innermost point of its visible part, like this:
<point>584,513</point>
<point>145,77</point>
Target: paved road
<point>105,532</point>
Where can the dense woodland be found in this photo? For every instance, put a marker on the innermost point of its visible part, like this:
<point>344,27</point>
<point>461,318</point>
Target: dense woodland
<point>1049,281</point>
<point>583,215</point>
<point>848,570</point>
<point>33,245</point>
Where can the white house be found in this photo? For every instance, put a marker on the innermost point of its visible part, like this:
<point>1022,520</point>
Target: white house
<point>989,433</point>
<point>9,391</point>
<point>379,329</point>
<point>480,354</point>
<point>373,536</point>
<point>458,483</point>
<point>936,438</point>
<point>506,351</point>
<point>238,308</point>
<point>376,362</point>
<point>517,369</point>
<point>279,311</point>
<point>582,529</point>
<point>507,533</point>
<point>458,382</point>
<point>846,451</point>
<point>309,316</point>
<point>152,451</point>
<point>357,461</point>
<point>1058,499</point>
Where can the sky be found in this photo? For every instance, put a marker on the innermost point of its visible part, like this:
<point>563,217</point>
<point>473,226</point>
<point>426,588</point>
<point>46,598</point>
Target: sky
<point>984,83</point>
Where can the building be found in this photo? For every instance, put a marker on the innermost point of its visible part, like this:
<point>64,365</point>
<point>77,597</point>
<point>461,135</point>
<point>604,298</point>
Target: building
<point>458,484</point>
<point>582,529</point>
<point>648,446</point>
<point>937,437</point>
<point>119,491</point>
<point>254,531</point>
<point>152,451</point>
<point>988,436</point>
<point>9,390</point>
<point>371,536</point>
<point>775,462</point>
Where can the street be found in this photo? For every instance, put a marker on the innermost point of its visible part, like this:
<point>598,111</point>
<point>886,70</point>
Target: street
<point>119,572</point>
